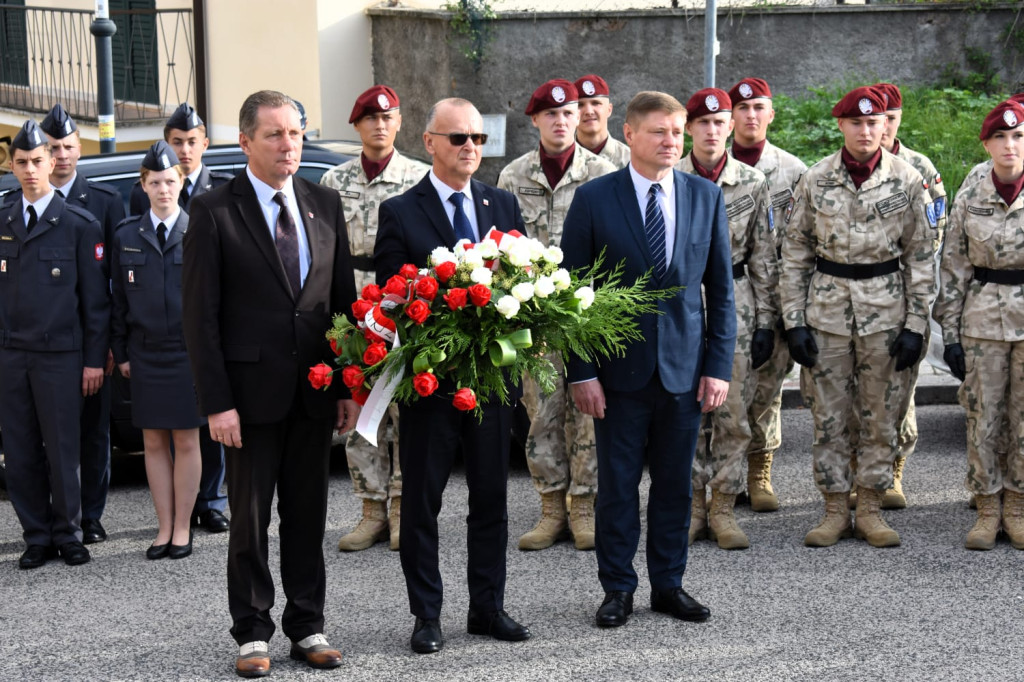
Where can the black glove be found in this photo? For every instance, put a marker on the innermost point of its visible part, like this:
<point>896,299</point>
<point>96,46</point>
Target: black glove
<point>802,347</point>
<point>906,349</point>
<point>954,357</point>
<point>762,346</point>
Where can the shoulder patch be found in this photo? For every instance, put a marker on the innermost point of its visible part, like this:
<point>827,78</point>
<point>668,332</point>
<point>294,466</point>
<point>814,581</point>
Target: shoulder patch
<point>739,207</point>
<point>892,203</point>
<point>978,210</point>
<point>940,206</point>
<point>531,191</point>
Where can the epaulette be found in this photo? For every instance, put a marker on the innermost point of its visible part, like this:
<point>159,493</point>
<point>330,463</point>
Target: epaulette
<point>130,220</point>
<point>81,212</point>
<point>220,175</point>
<point>104,187</point>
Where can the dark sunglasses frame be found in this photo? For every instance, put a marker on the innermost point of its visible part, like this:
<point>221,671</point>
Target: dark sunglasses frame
<point>459,139</point>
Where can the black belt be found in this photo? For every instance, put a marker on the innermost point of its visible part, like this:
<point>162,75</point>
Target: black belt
<point>857,271</point>
<point>986,275</point>
<point>739,269</point>
<point>363,263</point>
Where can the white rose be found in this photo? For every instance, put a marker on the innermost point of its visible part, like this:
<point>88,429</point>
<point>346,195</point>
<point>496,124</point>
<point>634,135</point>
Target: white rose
<point>519,254</point>
<point>523,292</point>
<point>472,258</point>
<point>536,249</point>
<point>507,242</point>
<point>481,275</point>
<point>460,246</point>
<point>507,306</point>
<point>544,286</point>
<point>553,254</point>
<point>441,255</point>
<point>488,249</point>
<point>561,279</point>
<point>585,296</point>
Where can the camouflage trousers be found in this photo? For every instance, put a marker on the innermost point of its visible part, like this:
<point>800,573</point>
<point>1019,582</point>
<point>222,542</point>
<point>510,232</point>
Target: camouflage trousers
<point>725,433</point>
<point>375,472</point>
<point>764,415</point>
<point>993,396</point>
<point>560,450</point>
<point>854,373</point>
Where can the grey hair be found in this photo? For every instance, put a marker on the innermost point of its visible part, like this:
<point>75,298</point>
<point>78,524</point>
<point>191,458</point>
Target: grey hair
<point>249,113</point>
<point>451,101</point>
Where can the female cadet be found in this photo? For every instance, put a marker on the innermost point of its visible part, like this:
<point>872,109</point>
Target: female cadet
<point>981,310</point>
<point>149,348</point>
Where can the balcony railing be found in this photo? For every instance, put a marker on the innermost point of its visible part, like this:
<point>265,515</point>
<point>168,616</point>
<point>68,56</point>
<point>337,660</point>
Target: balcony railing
<point>48,56</point>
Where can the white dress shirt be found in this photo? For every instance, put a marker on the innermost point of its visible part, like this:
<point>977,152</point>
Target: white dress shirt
<point>445,192</point>
<point>265,194</point>
<point>667,201</point>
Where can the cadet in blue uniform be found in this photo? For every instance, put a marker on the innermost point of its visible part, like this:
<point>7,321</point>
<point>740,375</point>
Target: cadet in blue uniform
<point>54,314</point>
<point>149,348</point>
<point>105,204</point>
<point>185,132</point>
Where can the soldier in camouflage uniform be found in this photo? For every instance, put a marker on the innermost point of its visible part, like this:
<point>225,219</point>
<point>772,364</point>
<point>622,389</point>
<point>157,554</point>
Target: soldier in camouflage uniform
<point>560,447</point>
<point>379,173</point>
<point>857,281</point>
<point>718,462</point>
<point>981,311</point>
<point>752,113</point>
<point>595,108</point>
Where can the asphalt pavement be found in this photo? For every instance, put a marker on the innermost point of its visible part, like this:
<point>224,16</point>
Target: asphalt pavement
<point>780,611</point>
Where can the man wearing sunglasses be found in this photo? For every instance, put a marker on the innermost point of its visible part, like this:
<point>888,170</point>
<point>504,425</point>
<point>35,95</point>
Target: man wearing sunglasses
<point>446,206</point>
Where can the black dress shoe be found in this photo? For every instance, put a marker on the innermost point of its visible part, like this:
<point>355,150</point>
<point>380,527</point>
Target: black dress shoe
<point>158,551</point>
<point>92,531</point>
<point>615,609</point>
<point>212,521</point>
<point>426,636</point>
<point>180,551</point>
<point>681,605</point>
<point>74,553</point>
<point>36,555</point>
<point>498,625</point>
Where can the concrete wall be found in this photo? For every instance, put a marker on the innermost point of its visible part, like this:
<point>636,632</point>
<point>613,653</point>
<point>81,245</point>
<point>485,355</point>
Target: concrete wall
<point>792,48</point>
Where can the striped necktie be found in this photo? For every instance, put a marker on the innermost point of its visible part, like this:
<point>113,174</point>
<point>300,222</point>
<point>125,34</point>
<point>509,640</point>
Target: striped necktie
<point>654,226</point>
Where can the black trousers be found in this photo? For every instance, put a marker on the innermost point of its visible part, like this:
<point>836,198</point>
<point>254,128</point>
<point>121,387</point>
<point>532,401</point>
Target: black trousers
<point>430,432</point>
<point>293,456</point>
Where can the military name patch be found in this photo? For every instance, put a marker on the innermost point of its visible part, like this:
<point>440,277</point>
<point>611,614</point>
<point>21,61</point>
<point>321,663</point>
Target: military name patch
<point>532,191</point>
<point>6,238</point>
<point>828,183</point>
<point>131,249</point>
<point>892,203</point>
<point>978,210</point>
<point>780,199</point>
<point>349,195</point>
<point>739,206</point>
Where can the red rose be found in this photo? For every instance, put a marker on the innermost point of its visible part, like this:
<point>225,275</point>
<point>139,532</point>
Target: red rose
<point>425,383</point>
<point>360,395</point>
<point>418,311</point>
<point>445,271</point>
<point>371,292</point>
<point>397,285</point>
<point>427,288</point>
<point>352,376</point>
<point>479,294</point>
<point>409,271</point>
<point>335,347</point>
<point>360,308</point>
<point>456,298</point>
<point>464,399</point>
<point>374,353</point>
<point>320,376</point>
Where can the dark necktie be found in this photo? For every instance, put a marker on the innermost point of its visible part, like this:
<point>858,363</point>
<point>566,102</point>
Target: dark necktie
<point>161,235</point>
<point>288,243</point>
<point>183,194</point>
<point>463,230</point>
<point>654,226</point>
<point>60,193</point>
<point>32,220</point>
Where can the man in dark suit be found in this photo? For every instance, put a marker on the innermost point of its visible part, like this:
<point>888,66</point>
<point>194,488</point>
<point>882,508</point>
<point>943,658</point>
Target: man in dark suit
<point>266,266</point>
<point>648,402</point>
<point>448,205</point>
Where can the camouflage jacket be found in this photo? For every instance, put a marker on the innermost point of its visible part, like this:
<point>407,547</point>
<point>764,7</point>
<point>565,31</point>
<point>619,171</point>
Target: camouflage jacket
<point>544,209</point>
<point>886,218</point>
<point>782,170</point>
<point>983,232</point>
<point>923,165</point>
<point>615,152</point>
<point>360,200</point>
<point>751,221</point>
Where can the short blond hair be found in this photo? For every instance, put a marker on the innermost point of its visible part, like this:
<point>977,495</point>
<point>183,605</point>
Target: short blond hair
<point>647,101</point>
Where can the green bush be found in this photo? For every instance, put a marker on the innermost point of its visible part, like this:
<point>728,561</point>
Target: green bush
<point>941,123</point>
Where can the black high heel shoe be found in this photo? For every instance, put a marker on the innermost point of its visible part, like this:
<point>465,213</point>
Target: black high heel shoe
<point>157,551</point>
<point>181,551</point>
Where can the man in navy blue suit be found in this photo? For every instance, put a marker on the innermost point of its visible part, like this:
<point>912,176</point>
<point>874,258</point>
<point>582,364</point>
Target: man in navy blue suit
<point>648,402</point>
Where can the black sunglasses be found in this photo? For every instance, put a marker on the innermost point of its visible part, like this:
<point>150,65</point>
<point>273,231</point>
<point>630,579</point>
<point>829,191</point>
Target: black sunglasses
<point>459,139</point>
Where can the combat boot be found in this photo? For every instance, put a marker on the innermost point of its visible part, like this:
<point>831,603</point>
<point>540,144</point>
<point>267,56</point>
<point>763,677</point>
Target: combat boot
<point>894,497</point>
<point>722,524</point>
<point>372,528</point>
<point>552,526</point>
<point>759,483</point>
<point>869,524</point>
<point>835,525</point>
<point>1013,517</point>
<point>983,535</point>
<point>581,521</point>
<point>699,515</point>
<point>395,521</point>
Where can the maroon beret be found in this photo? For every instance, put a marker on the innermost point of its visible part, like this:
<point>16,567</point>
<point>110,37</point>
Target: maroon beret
<point>750,88</point>
<point>1006,116</point>
<point>592,85</point>
<point>863,101</point>
<point>708,101</point>
<point>552,95</point>
<point>893,98</point>
<point>1018,98</point>
<point>375,100</point>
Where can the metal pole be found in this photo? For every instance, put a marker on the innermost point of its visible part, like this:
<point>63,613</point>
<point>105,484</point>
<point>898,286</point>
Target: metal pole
<point>710,42</point>
<point>104,29</point>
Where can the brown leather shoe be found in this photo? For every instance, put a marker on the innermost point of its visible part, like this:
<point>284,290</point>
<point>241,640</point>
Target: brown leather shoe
<point>253,659</point>
<point>316,652</point>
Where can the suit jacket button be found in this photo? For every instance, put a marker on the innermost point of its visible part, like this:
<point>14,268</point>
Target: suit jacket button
<point>55,272</point>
